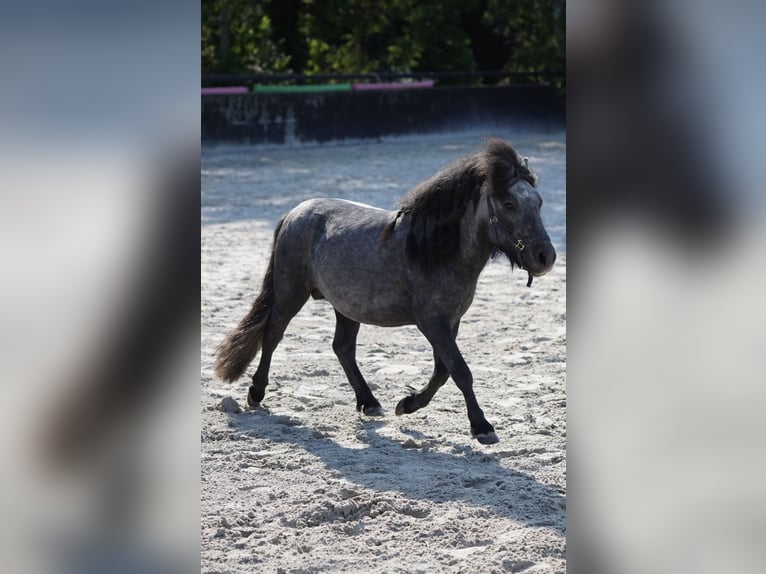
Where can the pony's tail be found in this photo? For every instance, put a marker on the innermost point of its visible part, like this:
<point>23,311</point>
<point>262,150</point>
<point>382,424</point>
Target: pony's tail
<point>241,345</point>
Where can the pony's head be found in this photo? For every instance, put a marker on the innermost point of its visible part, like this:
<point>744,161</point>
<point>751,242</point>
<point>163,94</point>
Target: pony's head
<point>498,187</point>
<point>513,209</point>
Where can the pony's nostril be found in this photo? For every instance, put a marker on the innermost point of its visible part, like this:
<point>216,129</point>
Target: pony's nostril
<point>547,256</point>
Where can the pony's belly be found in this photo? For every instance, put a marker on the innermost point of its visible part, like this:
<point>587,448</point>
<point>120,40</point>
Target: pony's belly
<point>371,314</point>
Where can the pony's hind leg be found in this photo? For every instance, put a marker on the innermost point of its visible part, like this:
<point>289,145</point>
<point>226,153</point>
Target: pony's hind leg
<point>257,391</point>
<point>344,345</point>
<point>283,312</point>
<point>418,400</point>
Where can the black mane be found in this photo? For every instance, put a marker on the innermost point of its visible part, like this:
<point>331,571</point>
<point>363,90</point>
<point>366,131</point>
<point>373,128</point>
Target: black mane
<point>436,207</point>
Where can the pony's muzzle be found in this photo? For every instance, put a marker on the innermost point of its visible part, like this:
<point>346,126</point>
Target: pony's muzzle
<point>543,256</point>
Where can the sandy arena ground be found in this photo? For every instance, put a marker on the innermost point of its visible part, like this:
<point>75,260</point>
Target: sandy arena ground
<point>307,484</point>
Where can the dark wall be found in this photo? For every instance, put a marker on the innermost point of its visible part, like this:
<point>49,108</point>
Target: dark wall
<point>324,116</point>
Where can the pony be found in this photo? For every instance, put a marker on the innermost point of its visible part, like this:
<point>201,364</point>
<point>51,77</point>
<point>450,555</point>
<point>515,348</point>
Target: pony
<point>417,265</point>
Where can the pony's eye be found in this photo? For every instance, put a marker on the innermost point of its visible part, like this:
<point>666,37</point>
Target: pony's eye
<point>509,205</point>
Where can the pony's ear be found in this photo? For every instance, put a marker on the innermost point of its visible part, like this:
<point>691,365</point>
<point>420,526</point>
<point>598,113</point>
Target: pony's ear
<point>525,161</point>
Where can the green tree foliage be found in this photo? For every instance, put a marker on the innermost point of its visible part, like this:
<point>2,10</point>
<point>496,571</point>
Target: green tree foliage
<point>385,36</point>
<point>237,37</point>
<point>378,36</point>
<point>534,32</point>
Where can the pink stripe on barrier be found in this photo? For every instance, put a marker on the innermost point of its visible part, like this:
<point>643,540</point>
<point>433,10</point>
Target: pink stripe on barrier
<point>224,90</point>
<point>397,86</point>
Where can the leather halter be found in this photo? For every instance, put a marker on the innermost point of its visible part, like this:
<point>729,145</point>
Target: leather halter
<point>516,242</point>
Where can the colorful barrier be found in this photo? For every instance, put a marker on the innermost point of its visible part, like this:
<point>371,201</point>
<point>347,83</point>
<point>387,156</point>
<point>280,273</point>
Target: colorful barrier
<point>395,86</point>
<point>307,88</point>
<point>301,88</point>
<point>225,90</point>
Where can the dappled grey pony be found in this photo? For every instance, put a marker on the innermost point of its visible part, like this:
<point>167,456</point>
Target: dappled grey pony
<point>418,265</point>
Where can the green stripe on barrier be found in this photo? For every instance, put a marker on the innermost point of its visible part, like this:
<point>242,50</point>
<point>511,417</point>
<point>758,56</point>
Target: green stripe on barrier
<point>301,88</point>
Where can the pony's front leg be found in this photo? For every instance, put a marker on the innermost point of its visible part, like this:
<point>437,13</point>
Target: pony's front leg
<point>443,341</point>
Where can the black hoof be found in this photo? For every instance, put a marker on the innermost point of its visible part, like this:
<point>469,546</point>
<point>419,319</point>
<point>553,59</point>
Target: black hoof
<point>373,411</point>
<point>485,433</point>
<point>255,396</point>
<point>487,438</point>
<point>405,406</point>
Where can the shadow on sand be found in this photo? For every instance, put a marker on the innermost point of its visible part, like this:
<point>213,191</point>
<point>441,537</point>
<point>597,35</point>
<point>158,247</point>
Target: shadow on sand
<point>413,469</point>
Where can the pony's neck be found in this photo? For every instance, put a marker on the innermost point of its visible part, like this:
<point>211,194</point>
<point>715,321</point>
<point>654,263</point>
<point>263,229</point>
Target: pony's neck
<point>475,243</point>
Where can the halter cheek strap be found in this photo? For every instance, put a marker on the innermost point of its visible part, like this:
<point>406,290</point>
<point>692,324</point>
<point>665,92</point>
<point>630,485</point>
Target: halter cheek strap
<point>517,243</point>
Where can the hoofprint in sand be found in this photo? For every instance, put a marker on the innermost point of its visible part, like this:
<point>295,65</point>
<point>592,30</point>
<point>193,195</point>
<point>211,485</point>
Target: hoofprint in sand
<point>307,484</point>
